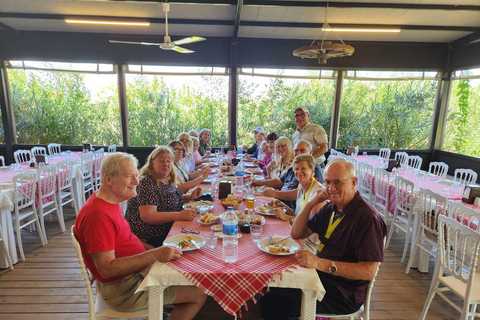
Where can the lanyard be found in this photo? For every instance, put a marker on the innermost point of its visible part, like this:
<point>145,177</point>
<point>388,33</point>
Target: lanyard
<point>183,173</point>
<point>331,226</point>
<point>305,197</point>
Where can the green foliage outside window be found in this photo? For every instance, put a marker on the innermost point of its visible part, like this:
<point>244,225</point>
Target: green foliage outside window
<point>392,114</point>
<point>463,119</point>
<point>57,107</point>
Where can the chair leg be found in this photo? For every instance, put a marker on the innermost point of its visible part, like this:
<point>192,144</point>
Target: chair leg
<point>7,252</point>
<point>408,240</point>
<point>390,232</point>
<point>413,253</point>
<point>430,296</point>
<point>40,231</point>
<point>19,241</point>
<point>42,223</point>
<point>61,220</point>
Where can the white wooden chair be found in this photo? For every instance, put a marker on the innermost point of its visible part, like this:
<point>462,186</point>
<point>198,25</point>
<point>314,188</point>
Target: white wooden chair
<point>96,168</point>
<point>385,153</point>
<point>382,193</point>
<point>428,207</point>
<point>39,151</point>
<point>456,268</point>
<point>5,249</point>
<point>403,215</point>
<point>64,186</point>
<point>363,312</point>
<point>465,176</point>
<point>2,161</point>
<point>24,203</point>
<point>402,158</point>
<point>21,156</point>
<point>86,160</point>
<point>97,308</point>
<point>47,199</point>
<point>438,168</point>
<point>112,148</point>
<point>467,216</point>
<point>365,178</point>
<point>54,148</point>
<point>415,162</point>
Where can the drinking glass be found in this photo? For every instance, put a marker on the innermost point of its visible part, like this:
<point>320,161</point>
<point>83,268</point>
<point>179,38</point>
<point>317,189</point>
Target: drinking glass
<point>256,232</point>
<point>211,239</point>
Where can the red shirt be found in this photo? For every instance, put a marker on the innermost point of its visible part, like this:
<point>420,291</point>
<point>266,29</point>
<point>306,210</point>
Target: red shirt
<point>101,227</point>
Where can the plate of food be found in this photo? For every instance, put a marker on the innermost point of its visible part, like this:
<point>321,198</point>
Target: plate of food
<point>208,180</point>
<point>254,170</point>
<point>284,248</point>
<point>217,227</point>
<point>231,201</point>
<point>199,205</point>
<point>220,235</point>
<point>208,219</point>
<point>250,165</point>
<point>258,177</point>
<point>183,241</point>
<point>265,210</point>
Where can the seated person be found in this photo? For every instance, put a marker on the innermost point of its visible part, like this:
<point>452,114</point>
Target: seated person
<point>114,255</point>
<point>285,187</point>
<point>189,160</point>
<point>346,260</point>
<point>193,133</point>
<point>159,202</point>
<point>282,159</point>
<point>199,160</point>
<point>255,146</point>
<point>258,154</point>
<point>205,138</point>
<point>304,169</point>
<point>185,181</point>
<point>271,140</point>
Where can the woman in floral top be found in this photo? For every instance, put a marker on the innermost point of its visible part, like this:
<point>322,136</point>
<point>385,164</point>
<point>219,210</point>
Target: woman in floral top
<point>283,158</point>
<point>158,202</point>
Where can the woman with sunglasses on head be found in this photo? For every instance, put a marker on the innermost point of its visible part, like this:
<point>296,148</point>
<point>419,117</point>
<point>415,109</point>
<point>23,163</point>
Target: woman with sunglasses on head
<point>283,158</point>
<point>185,180</point>
<point>159,202</point>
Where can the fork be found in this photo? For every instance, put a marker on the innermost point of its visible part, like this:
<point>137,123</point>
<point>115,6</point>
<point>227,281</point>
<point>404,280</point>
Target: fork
<point>276,242</point>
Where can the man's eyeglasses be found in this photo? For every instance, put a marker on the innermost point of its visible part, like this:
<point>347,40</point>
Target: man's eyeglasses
<point>336,183</point>
<point>300,115</point>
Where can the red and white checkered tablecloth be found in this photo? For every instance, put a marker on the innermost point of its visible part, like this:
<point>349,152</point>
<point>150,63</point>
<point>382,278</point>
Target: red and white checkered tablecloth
<point>232,285</point>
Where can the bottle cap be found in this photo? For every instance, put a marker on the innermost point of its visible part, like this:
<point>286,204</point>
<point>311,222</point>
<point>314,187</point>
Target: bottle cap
<point>230,208</point>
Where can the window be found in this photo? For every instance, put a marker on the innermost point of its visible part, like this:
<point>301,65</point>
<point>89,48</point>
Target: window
<point>463,118</point>
<point>64,103</point>
<point>394,111</point>
<point>165,101</point>
<point>268,97</point>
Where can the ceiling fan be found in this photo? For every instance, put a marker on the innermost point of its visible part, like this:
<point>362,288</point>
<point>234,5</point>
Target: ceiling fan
<point>167,44</point>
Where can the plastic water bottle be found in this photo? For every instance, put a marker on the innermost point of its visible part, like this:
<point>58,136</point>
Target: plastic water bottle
<point>230,241</point>
<point>240,170</point>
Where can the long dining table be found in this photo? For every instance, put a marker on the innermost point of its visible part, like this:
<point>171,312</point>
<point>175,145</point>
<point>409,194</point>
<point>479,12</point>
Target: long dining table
<point>232,285</point>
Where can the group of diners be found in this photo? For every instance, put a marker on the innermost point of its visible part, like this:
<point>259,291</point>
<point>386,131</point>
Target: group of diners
<point>342,234</point>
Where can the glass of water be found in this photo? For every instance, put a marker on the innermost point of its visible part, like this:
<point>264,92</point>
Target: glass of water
<point>211,239</point>
<point>256,232</point>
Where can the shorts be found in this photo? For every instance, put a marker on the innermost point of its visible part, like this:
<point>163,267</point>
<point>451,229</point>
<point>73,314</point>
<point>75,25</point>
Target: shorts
<point>120,294</point>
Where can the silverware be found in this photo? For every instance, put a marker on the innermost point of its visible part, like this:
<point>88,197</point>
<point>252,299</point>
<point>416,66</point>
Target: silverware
<point>194,243</point>
<point>271,240</point>
<point>285,238</point>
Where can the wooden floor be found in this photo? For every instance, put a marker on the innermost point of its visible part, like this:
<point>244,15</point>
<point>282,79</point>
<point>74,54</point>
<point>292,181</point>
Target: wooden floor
<point>48,285</point>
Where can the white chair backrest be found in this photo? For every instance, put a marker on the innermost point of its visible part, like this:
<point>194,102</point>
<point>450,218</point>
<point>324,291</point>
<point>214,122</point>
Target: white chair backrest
<point>112,148</point>
<point>401,157</point>
<point>430,205</point>
<point>22,156</point>
<point>382,180</point>
<point>365,177</point>
<point>458,251</point>
<point>404,195</point>
<point>37,151</point>
<point>415,162</point>
<point>26,184</point>
<point>385,153</point>
<point>465,176</point>
<point>438,168</point>
<point>85,274</point>
<point>467,216</point>
<point>2,161</point>
<point>65,174</point>
<point>47,176</point>
<point>54,148</point>
<point>87,164</point>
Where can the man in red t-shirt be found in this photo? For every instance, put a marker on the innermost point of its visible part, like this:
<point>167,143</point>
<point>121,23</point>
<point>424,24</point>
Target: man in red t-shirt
<point>114,255</point>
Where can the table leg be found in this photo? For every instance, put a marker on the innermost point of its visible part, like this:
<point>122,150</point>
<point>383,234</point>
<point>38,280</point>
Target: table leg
<point>155,303</point>
<point>309,305</point>
<point>7,230</point>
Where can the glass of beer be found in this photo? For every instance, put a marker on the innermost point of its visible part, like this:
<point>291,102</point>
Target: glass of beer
<point>249,201</point>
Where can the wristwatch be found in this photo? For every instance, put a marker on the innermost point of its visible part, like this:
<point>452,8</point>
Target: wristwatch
<point>333,268</point>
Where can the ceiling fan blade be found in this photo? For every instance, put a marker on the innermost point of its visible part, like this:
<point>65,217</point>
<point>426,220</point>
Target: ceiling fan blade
<point>189,40</point>
<point>133,42</point>
<point>182,50</point>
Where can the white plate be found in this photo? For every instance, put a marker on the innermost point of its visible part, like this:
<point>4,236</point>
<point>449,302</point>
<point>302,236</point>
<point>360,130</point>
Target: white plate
<point>445,181</point>
<point>217,227</point>
<point>209,223</point>
<point>258,178</point>
<point>250,165</point>
<point>208,180</point>
<point>175,240</point>
<point>197,204</point>
<point>268,213</point>
<point>220,235</point>
<point>254,170</point>
<point>261,218</point>
<point>265,243</point>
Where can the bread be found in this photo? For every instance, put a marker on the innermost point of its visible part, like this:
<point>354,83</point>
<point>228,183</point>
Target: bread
<point>273,249</point>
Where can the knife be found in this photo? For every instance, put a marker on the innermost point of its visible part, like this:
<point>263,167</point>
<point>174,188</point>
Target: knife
<point>194,243</point>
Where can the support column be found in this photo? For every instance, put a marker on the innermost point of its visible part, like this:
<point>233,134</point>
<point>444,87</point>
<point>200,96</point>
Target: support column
<point>9,130</point>
<point>440,112</point>
<point>122,103</point>
<point>233,98</point>
<point>335,123</point>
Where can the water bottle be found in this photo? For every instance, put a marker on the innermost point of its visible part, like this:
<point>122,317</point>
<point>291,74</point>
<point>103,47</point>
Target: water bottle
<point>230,231</point>
<point>239,174</point>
